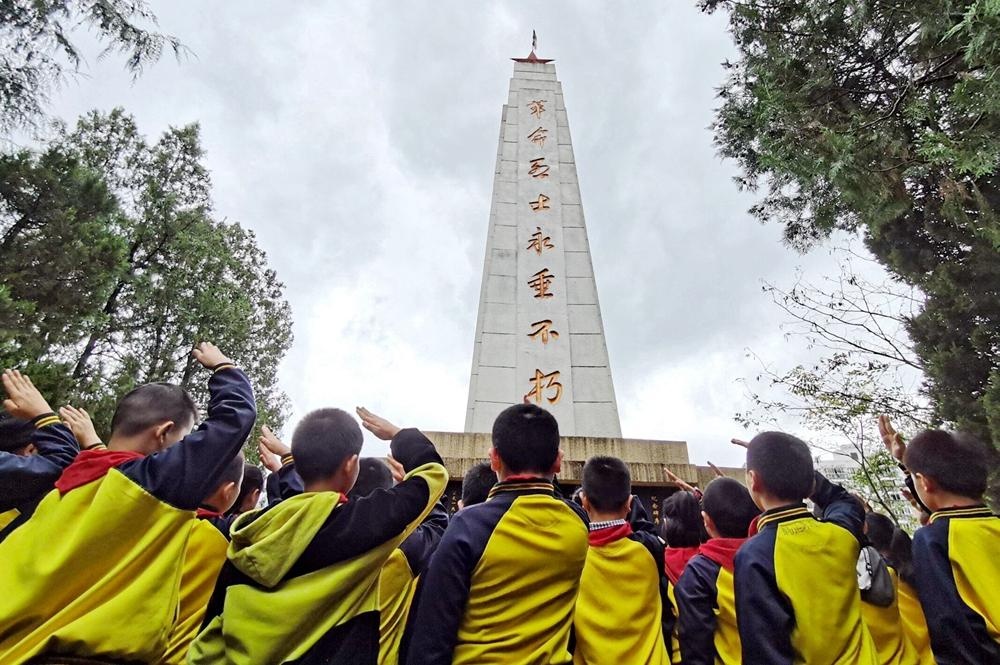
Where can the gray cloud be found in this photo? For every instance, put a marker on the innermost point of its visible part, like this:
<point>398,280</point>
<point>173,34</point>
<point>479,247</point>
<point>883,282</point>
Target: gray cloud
<point>358,141</point>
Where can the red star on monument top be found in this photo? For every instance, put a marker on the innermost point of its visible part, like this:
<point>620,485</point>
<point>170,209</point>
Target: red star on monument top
<point>532,57</point>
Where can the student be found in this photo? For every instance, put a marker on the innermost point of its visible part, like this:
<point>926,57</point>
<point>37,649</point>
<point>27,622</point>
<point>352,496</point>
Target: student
<point>888,630</point>
<point>622,583</point>
<point>705,595</point>
<point>681,526</point>
<point>301,580</point>
<point>796,581</point>
<point>203,559</point>
<point>955,556</point>
<point>477,483</point>
<point>502,585</point>
<point>250,490</point>
<point>27,468</point>
<point>121,518</point>
<point>910,612</point>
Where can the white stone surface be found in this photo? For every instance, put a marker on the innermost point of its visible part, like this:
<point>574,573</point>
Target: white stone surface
<point>535,164</point>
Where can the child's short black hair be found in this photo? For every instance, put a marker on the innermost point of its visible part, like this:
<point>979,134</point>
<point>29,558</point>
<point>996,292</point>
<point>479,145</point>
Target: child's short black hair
<point>682,523</point>
<point>957,462</point>
<point>477,483</point>
<point>233,473</point>
<point>606,483</point>
<point>730,506</point>
<point>879,530</point>
<point>253,480</point>
<point>15,433</point>
<point>783,464</point>
<point>322,441</point>
<point>526,437</point>
<point>373,474</point>
<point>152,404</point>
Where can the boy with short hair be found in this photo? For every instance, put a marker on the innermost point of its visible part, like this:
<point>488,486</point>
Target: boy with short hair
<point>705,595</point>
<point>796,581</point>
<point>301,580</point>
<point>954,556</point>
<point>95,572</point>
<point>203,559</point>
<point>623,583</point>
<point>476,484</point>
<point>502,585</point>
<point>250,490</point>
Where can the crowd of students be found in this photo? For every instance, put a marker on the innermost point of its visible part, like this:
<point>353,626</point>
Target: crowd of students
<point>150,547</point>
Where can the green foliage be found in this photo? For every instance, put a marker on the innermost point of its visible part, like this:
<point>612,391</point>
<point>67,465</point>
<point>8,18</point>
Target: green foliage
<point>114,268</point>
<point>37,49</point>
<point>884,117</point>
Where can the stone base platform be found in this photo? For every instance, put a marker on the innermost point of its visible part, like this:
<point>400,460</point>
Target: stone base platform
<point>645,459</point>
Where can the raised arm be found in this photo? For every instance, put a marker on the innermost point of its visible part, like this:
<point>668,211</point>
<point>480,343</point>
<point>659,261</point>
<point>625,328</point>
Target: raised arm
<point>187,472</point>
<point>838,506</point>
<point>26,477</point>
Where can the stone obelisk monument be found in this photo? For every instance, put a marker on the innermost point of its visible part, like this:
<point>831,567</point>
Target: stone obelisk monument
<point>539,335</point>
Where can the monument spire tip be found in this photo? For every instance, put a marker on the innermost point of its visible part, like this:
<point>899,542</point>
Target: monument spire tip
<point>532,58</point>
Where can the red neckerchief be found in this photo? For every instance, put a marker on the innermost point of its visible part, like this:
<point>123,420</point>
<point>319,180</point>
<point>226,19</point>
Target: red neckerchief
<point>609,534</point>
<point>752,531</point>
<point>675,559</point>
<point>206,514</point>
<point>91,465</point>
<point>722,550</point>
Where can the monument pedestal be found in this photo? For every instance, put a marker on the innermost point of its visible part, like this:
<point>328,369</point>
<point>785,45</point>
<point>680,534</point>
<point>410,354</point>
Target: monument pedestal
<point>645,459</point>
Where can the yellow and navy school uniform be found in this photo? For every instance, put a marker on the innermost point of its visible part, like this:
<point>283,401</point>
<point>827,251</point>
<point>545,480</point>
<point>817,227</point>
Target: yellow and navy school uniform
<point>203,559</point>
<point>675,560</point>
<point>957,574</point>
<point>622,612</point>
<point>885,625</point>
<point>398,581</point>
<point>301,580</point>
<point>706,605</point>
<point>502,584</point>
<point>25,479</point>
<point>914,622</point>
<point>797,598</point>
<point>96,571</point>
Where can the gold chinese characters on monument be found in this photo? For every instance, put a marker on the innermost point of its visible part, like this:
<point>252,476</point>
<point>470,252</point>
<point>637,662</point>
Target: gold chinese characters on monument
<point>545,386</point>
<point>540,283</point>
<point>538,168</point>
<point>541,203</point>
<point>538,136</point>
<point>537,107</point>
<point>543,331</point>
<point>540,242</point>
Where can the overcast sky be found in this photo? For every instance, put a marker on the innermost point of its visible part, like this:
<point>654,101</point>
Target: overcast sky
<point>358,141</point>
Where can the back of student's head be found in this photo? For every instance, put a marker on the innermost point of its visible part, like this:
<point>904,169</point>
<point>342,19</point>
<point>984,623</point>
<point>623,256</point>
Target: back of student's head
<point>879,529</point>
<point>373,474</point>
<point>15,434</point>
<point>477,483</point>
<point>606,483</point>
<point>730,506</point>
<point>682,523</point>
<point>526,438</point>
<point>783,465</point>
<point>323,440</point>
<point>153,404</point>
<point>901,555</point>
<point>253,484</point>
<point>223,498</point>
<point>956,462</point>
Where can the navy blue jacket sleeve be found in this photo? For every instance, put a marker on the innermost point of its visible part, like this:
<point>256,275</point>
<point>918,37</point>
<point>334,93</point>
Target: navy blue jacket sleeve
<point>445,589</point>
<point>652,542</point>
<point>25,478</point>
<point>958,634</point>
<point>839,507</point>
<point>638,518</point>
<point>696,602</point>
<point>764,617</point>
<point>187,472</point>
<point>420,545</point>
